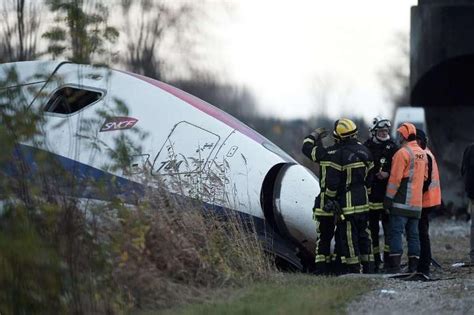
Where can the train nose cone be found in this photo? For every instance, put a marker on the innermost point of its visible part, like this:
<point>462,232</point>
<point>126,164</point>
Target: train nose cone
<point>295,190</point>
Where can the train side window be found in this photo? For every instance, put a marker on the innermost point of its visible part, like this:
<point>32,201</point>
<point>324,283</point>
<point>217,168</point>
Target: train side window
<point>68,100</point>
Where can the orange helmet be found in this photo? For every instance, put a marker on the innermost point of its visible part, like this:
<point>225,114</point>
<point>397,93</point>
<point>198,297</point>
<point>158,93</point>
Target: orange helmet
<point>406,130</point>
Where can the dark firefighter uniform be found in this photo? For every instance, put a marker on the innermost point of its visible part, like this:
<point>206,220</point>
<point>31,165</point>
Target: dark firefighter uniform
<point>382,153</point>
<point>345,177</point>
<point>325,221</point>
<point>431,201</point>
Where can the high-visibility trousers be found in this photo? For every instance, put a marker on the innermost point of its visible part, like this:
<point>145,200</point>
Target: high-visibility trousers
<point>325,232</point>
<point>355,240</point>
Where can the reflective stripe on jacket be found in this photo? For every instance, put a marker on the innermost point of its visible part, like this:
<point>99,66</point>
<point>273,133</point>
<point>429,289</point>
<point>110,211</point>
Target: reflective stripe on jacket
<point>345,174</point>
<point>432,197</point>
<point>405,185</point>
<point>315,151</point>
<point>382,153</point>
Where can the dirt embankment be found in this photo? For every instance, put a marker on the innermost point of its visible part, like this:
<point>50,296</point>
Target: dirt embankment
<point>452,294</point>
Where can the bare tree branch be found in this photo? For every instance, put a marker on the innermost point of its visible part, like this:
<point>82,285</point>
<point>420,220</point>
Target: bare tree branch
<point>395,78</point>
<point>81,31</point>
<point>20,29</point>
<point>161,22</point>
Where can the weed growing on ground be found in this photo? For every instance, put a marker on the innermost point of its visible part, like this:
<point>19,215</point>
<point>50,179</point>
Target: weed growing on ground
<point>285,294</point>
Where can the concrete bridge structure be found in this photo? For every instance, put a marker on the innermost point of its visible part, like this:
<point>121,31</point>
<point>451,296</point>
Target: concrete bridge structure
<point>442,81</point>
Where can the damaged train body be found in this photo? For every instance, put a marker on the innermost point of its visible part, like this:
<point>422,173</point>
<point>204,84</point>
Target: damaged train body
<point>87,110</point>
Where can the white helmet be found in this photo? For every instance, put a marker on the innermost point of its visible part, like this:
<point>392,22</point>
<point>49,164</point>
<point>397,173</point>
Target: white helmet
<point>380,122</point>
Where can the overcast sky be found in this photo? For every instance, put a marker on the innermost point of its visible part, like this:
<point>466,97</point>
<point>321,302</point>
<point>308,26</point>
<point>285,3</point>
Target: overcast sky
<point>294,53</point>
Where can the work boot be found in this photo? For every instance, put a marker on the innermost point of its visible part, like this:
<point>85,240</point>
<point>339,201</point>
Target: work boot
<point>321,269</point>
<point>424,267</point>
<point>412,264</point>
<point>386,260</point>
<point>368,267</point>
<point>394,261</point>
<point>337,267</point>
<point>353,268</point>
<point>424,270</point>
<point>377,262</point>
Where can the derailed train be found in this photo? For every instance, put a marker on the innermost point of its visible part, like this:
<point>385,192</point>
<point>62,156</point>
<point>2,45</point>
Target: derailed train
<point>180,137</point>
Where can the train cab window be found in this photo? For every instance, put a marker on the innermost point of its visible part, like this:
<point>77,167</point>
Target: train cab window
<point>68,100</point>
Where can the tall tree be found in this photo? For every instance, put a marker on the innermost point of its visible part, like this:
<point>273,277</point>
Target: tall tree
<point>81,31</point>
<point>395,78</point>
<point>20,27</point>
<point>160,23</point>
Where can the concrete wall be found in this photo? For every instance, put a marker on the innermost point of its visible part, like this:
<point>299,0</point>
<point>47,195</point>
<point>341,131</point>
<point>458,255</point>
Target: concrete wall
<point>450,132</point>
<point>439,32</point>
<point>442,81</point>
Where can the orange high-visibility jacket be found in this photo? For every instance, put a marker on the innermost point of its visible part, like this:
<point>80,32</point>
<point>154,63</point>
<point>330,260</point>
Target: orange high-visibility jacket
<point>405,185</point>
<point>432,197</point>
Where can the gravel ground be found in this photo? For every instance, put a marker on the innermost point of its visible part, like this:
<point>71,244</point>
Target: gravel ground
<point>452,294</point>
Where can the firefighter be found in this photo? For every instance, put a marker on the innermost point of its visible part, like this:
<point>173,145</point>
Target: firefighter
<point>404,198</point>
<point>431,200</point>
<point>325,224</point>
<point>382,149</point>
<point>345,178</point>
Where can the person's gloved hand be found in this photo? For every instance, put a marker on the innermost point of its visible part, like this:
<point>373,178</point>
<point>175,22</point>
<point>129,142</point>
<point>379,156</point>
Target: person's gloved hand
<point>329,206</point>
<point>382,175</point>
<point>387,203</point>
<point>319,133</point>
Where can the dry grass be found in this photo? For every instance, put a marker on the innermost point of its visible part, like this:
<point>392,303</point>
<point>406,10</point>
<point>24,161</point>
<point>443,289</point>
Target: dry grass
<point>112,258</point>
<point>107,257</point>
<point>174,253</point>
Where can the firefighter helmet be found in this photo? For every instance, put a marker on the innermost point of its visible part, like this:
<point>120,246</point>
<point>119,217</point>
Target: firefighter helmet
<point>379,122</point>
<point>407,130</point>
<point>344,128</point>
<point>380,128</point>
